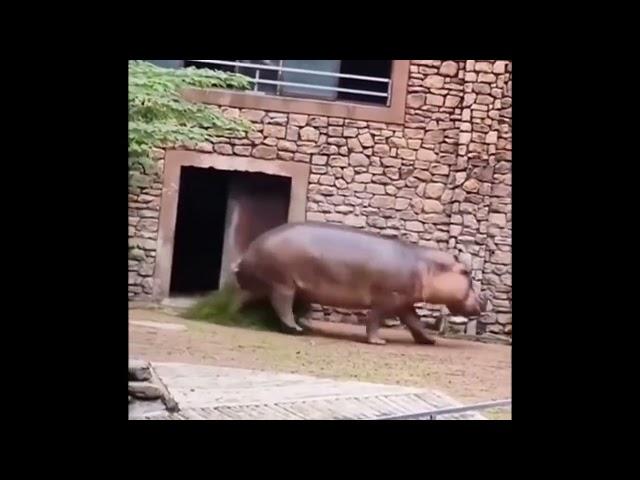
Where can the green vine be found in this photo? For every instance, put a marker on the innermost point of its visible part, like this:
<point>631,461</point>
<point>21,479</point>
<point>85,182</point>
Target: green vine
<point>159,116</point>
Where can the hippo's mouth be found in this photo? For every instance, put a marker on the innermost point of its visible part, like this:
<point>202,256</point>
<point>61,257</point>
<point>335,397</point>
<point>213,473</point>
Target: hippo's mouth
<point>473,306</point>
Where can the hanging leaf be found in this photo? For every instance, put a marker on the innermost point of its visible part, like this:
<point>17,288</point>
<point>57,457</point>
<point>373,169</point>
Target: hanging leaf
<point>159,115</point>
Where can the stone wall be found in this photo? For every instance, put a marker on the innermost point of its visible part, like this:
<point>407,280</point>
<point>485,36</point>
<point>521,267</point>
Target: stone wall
<point>443,178</point>
<point>144,219</point>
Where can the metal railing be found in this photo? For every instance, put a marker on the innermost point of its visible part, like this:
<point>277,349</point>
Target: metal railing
<point>280,69</point>
<point>433,414</point>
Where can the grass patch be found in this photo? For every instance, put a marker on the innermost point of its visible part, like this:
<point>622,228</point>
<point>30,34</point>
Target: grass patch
<point>223,308</point>
<point>498,414</point>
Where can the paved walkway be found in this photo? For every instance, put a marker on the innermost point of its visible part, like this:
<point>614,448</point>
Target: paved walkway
<point>221,393</point>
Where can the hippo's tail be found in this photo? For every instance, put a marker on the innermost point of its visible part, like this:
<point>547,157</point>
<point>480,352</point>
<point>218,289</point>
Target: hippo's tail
<point>235,266</point>
<point>238,273</point>
<point>245,276</point>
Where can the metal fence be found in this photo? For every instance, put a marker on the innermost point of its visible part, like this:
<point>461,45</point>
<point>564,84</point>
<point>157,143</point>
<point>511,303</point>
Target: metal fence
<point>274,72</point>
<point>433,414</point>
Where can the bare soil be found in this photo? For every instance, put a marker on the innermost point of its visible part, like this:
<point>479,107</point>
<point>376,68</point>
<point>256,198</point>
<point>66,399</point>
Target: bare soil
<point>468,371</point>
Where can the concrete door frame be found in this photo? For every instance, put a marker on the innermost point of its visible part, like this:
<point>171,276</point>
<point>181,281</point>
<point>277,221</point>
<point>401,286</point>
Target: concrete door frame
<point>175,160</point>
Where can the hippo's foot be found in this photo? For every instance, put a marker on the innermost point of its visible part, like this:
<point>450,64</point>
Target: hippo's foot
<point>424,340</point>
<point>282,301</point>
<point>292,330</point>
<point>305,324</point>
<point>376,340</point>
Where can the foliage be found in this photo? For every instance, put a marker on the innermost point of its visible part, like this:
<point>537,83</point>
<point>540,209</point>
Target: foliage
<point>160,116</point>
<point>223,308</point>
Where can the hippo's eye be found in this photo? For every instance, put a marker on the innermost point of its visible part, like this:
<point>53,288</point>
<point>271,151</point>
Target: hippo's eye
<point>461,269</point>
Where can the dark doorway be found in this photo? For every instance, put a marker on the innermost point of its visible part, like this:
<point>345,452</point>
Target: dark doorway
<point>219,214</point>
<point>199,234</point>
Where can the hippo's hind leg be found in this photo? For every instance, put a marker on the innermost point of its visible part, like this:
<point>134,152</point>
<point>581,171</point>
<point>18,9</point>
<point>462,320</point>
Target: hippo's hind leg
<point>374,318</point>
<point>302,308</point>
<point>411,319</point>
<point>282,301</point>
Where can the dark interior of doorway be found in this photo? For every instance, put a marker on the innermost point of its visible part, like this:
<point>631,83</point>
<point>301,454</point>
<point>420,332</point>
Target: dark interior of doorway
<point>200,224</point>
<point>199,233</point>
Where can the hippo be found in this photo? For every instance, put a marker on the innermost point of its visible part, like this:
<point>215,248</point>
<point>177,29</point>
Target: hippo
<point>344,267</point>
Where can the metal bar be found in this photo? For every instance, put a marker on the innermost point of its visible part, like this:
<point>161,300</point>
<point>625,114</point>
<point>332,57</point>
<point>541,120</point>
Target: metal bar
<point>321,87</point>
<point>447,411</point>
<point>296,70</point>
<point>279,87</point>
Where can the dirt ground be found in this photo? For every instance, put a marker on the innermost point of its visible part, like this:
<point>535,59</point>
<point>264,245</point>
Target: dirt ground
<point>468,371</point>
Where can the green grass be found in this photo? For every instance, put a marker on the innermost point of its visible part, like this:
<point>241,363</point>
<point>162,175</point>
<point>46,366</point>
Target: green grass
<point>223,308</point>
<point>498,414</point>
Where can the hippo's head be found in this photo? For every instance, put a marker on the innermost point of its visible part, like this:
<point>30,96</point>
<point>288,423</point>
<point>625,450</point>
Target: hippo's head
<point>473,305</point>
<point>449,283</point>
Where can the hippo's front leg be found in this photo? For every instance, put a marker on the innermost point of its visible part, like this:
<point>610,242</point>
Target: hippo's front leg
<point>374,318</point>
<point>282,301</point>
<point>411,319</point>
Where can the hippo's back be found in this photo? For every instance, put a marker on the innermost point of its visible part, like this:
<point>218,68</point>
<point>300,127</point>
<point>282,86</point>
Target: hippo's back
<point>333,243</point>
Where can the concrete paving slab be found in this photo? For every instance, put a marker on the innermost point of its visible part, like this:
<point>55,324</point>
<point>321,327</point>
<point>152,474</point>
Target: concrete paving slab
<point>221,393</point>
